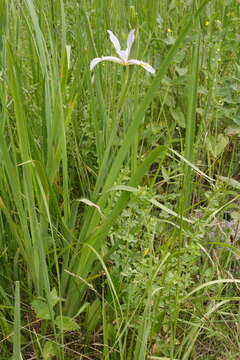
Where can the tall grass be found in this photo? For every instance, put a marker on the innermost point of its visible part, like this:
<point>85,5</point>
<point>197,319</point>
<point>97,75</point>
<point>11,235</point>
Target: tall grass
<point>104,170</point>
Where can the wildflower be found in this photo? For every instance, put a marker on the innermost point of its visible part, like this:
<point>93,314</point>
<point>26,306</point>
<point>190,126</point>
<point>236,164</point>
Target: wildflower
<point>145,252</point>
<point>123,58</point>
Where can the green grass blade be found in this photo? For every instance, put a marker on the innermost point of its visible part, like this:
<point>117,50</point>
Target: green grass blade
<point>17,324</point>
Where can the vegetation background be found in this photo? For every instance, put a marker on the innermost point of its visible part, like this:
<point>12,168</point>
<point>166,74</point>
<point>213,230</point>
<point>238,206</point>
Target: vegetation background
<point>119,205</point>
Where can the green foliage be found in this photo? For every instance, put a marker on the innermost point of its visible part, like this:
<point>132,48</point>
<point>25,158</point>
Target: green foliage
<point>49,350</point>
<point>41,309</point>
<point>65,323</point>
<point>119,205</point>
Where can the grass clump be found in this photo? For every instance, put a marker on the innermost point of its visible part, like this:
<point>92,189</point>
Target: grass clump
<point>119,207</point>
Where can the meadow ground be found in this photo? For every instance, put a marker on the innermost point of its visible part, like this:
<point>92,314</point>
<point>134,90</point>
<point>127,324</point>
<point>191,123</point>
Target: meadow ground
<point>119,184</point>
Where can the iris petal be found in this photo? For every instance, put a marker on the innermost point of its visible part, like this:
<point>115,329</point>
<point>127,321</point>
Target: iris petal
<point>95,61</point>
<point>145,65</point>
<point>130,41</point>
<point>123,54</point>
<point>115,42</point>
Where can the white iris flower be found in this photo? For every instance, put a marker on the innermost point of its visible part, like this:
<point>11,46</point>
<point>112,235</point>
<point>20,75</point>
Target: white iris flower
<point>123,54</point>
